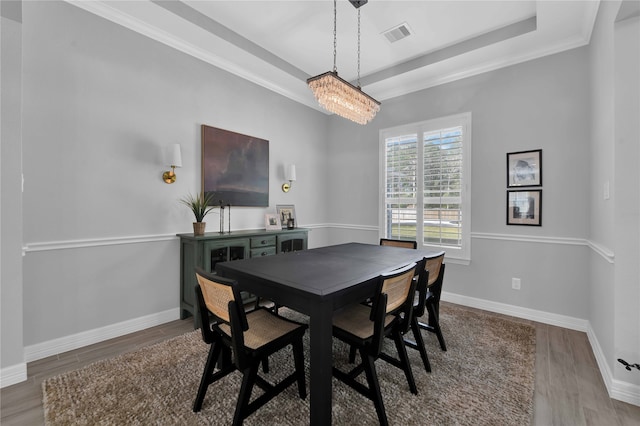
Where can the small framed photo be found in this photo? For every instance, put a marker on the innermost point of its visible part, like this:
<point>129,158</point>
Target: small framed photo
<point>524,168</point>
<point>287,215</point>
<point>272,222</point>
<point>524,207</point>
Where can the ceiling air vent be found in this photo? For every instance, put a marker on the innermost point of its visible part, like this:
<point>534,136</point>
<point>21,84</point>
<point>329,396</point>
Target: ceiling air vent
<point>397,33</point>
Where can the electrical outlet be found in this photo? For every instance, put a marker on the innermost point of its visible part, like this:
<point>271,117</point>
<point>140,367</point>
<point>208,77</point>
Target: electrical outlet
<point>515,283</point>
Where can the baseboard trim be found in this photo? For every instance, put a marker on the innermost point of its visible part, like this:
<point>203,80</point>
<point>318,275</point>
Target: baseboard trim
<point>625,392</point>
<point>12,375</point>
<point>622,391</point>
<point>89,337</point>
<point>518,312</point>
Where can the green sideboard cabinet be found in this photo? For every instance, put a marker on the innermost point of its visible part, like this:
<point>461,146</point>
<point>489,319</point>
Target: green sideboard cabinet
<point>207,250</point>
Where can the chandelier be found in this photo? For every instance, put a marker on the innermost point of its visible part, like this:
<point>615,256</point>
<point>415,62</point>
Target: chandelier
<point>339,96</point>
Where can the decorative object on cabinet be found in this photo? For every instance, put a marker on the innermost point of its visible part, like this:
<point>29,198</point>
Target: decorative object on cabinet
<point>339,96</point>
<point>524,207</point>
<point>208,250</point>
<point>290,175</point>
<point>222,207</point>
<point>173,159</point>
<point>200,206</point>
<point>524,168</point>
<point>235,167</point>
<point>272,222</point>
<point>287,214</point>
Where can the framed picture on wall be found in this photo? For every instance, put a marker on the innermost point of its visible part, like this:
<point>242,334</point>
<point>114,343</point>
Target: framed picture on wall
<point>524,207</point>
<point>272,222</point>
<point>235,167</point>
<point>524,168</point>
<point>285,213</point>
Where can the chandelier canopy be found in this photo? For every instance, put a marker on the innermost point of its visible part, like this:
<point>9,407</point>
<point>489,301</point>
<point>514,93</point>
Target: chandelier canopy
<point>339,96</point>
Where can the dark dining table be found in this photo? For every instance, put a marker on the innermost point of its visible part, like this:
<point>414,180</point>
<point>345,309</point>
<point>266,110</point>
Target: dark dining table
<point>318,282</point>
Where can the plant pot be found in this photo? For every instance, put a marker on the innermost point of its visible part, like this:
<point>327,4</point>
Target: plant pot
<point>198,228</point>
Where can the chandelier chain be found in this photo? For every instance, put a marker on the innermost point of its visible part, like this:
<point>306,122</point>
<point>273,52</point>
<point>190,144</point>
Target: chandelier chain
<point>358,47</point>
<point>339,96</point>
<point>335,38</point>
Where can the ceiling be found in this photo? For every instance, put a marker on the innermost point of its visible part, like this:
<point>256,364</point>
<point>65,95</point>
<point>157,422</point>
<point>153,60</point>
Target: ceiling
<point>279,44</point>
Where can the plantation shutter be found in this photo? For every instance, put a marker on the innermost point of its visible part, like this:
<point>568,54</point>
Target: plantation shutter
<point>442,153</point>
<point>401,186</point>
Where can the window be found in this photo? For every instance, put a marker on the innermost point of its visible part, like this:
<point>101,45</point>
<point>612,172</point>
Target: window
<point>425,169</point>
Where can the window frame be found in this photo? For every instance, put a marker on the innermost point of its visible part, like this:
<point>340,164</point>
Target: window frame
<point>463,253</point>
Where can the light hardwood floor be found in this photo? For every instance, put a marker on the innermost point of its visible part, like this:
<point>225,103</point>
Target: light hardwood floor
<point>569,389</point>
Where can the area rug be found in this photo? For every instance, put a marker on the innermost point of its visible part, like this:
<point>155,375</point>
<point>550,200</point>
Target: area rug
<point>486,377</point>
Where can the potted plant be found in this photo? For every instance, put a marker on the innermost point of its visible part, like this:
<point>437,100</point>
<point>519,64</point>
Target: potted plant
<point>199,205</point>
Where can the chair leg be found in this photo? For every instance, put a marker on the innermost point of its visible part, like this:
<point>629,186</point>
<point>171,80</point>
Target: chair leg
<point>298,356</point>
<point>415,328</point>
<point>224,360</point>
<point>352,354</point>
<point>374,387</point>
<point>248,380</point>
<point>404,360</point>
<point>435,326</point>
<point>206,380</point>
<point>265,365</point>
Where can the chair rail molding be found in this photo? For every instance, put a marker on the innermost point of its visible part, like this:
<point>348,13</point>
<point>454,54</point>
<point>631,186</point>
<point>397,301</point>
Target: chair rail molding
<point>96,242</point>
<point>603,251</point>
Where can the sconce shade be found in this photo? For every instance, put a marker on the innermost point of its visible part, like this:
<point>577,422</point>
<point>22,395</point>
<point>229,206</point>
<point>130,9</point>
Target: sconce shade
<point>173,156</point>
<point>291,173</point>
<point>173,159</point>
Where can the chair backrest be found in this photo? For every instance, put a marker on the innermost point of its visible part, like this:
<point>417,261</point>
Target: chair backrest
<point>430,280</point>
<point>393,297</point>
<point>218,296</point>
<point>398,243</point>
<point>434,266</point>
<point>397,287</point>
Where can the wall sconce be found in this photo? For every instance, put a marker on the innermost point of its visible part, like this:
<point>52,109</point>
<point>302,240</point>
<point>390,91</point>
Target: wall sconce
<point>290,175</point>
<point>173,159</point>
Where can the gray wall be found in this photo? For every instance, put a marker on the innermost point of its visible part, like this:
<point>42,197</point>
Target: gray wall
<point>614,295</point>
<point>100,102</point>
<point>539,104</point>
<point>11,184</point>
<point>627,196</point>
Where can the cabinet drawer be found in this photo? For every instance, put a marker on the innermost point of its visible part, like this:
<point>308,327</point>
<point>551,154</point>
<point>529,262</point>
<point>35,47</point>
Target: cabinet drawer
<point>264,251</point>
<point>263,241</point>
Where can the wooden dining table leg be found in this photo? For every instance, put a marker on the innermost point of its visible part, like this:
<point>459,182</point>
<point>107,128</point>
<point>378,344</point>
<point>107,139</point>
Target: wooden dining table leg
<point>321,362</point>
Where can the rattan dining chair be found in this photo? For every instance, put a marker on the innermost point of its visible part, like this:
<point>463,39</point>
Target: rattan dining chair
<point>242,341</point>
<point>435,266</point>
<point>411,244</point>
<point>399,243</point>
<point>365,327</point>
<point>427,298</point>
